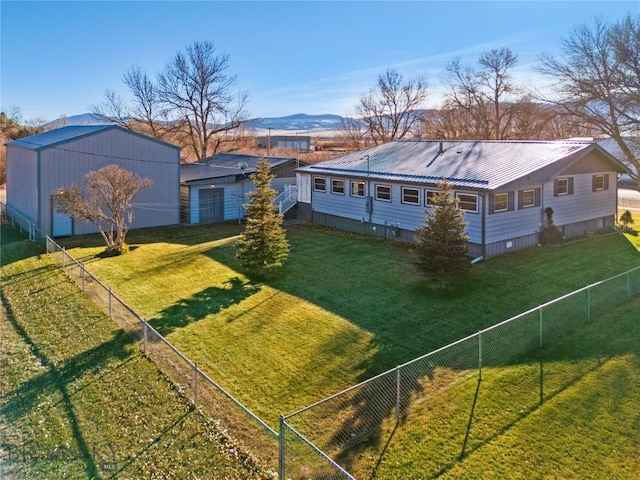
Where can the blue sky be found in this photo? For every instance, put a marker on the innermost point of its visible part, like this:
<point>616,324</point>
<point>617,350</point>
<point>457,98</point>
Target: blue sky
<point>58,58</point>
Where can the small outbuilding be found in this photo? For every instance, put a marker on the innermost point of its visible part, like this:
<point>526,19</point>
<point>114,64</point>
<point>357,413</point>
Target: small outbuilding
<point>215,189</point>
<point>40,165</point>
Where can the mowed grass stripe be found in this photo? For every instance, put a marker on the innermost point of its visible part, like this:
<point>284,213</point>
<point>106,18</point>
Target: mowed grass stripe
<point>78,398</point>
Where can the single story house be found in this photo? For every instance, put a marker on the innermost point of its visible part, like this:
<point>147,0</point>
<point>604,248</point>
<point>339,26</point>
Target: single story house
<point>503,187</point>
<point>40,165</point>
<point>215,189</point>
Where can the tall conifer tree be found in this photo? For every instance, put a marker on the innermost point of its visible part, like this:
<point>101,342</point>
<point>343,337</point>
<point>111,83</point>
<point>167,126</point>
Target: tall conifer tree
<point>440,246</point>
<point>263,247</point>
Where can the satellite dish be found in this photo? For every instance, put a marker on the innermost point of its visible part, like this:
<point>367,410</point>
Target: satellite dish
<point>242,166</point>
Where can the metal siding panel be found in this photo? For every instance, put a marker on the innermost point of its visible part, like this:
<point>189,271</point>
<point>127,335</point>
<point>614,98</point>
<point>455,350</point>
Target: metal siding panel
<point>235,197</point>
<point>582,205</point>
<point>154,206</point>
<point>22,189</point>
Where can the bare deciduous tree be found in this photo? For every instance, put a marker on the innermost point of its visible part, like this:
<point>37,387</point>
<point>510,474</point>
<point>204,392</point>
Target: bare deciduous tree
<point>104,198</point>
<point>391,108</point>
<point>353,133</point>
<point>195,86</point>
<point>190,102</point>
<point>482,93</point>
<point>597,81</point>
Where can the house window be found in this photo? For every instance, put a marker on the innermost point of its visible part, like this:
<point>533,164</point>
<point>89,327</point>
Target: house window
<point>467,202</point>
<point>383,192</point>
<point>563,186</point>
<point>337,186</point>
<point>320,184</point>
<point>600,182</point>
<point>429,196</point>
<point>357,189</point>
<point>528,198</point>
<point>501,202</point>
<point>411,195</point>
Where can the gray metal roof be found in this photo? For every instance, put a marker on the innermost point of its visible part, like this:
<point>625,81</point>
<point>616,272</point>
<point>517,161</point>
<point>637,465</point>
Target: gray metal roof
<point>228,159</point>
<point>225,165</point>
<point>190,172</point>
<point>474,164</point>
<point>56,136</point>
<point>62,135</point>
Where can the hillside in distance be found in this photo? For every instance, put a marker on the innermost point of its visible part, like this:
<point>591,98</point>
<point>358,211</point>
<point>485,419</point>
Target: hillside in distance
<point>300,123</point>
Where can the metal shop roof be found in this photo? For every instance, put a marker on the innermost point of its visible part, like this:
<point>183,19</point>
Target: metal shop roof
<point>62,135</point>
<point>54,137</point>
<point>478,164</point>
<point>226,165</point>
<point>246,161</point>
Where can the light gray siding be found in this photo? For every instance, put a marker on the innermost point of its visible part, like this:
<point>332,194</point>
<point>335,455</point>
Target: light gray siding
<point>510,225</point>
<point>36,174</point>
<point>583,204</point>
<point>393,213</point>
<point>235,196</point>
<point>22,181</point>
<point>154,206</point>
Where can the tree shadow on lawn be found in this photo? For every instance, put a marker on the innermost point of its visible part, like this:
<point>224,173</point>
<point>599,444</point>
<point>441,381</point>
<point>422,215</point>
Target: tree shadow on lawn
<point>209,301</point>
<point>27,396</point>
<point>395,342</point>
<point>173,234</point>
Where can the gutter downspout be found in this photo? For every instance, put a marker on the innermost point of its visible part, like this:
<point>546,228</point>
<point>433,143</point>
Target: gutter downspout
<point>484,224</point>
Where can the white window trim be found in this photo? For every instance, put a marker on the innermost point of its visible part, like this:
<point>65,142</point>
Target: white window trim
<point>333,192</point>
<point>495,209</point>
<point>602,178</point>
<point>533,203</point>
<point>417,202</point>
<point>357,182</point>
<point>314,184</point>
<point>383,199</point>
<point>564,180</point>
<point>426,197</point>
<point>469,195</point>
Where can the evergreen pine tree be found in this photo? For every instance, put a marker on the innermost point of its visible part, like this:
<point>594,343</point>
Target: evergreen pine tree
<point>440,246</point>
<point>263,246</point>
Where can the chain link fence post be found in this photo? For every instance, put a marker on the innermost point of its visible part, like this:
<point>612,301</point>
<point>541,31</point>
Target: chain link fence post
<point>480,355</point>
<point>110,299</point>
<point>398,393</point>
<point>144,336</point>
<point>281,450</point>
<point>195,383</point>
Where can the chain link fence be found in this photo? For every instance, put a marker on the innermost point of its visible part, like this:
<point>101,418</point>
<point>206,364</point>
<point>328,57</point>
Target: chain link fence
<point>346,435</point>
<point>443,403</point>
<point>248,430</point>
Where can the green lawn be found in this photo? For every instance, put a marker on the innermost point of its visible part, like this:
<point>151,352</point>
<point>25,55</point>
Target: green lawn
<point>344,309</point>
<point>78,400</point>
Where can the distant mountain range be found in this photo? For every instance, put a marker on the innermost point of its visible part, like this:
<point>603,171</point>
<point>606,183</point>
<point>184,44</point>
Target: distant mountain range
<point>298,123</point>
